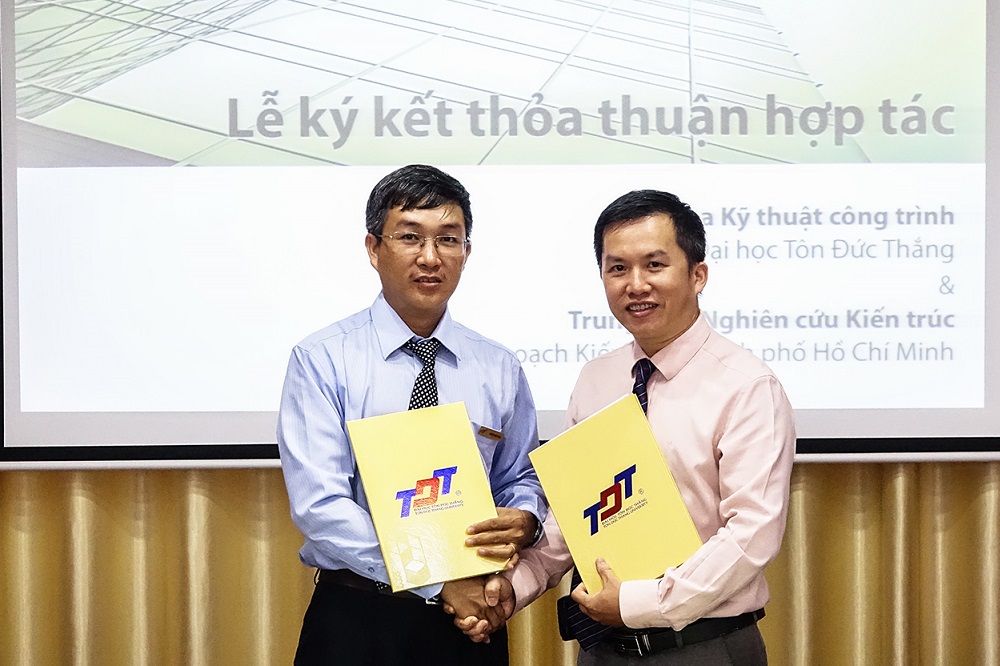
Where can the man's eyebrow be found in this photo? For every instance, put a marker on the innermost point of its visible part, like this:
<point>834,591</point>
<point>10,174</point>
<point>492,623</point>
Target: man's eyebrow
<point>448,227</point>
<point>648,255</point>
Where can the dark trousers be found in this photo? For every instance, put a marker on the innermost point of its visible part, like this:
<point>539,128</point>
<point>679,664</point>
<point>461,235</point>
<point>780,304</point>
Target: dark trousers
<point>353,627</point>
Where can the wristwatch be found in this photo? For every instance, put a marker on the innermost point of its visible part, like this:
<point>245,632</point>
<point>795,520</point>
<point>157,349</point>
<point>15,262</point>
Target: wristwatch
<point>538,532</point>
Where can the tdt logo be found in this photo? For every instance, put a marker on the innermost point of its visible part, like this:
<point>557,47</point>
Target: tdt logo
<point>611,498</point>
<point>427,490</point>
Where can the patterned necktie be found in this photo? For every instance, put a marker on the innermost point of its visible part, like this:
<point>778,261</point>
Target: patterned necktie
<point>590,632</point>
<point>425,391</point>
<point>642,370</point>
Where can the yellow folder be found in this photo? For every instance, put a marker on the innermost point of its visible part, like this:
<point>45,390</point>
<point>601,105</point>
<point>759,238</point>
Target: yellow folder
<point>425,484</point>
<point>614,496</point>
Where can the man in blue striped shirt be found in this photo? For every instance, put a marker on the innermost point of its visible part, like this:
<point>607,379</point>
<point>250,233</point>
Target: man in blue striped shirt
<point>419,222</point>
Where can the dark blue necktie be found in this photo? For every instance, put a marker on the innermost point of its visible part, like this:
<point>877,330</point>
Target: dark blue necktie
<point>590,632</point>
<point>642,370</point>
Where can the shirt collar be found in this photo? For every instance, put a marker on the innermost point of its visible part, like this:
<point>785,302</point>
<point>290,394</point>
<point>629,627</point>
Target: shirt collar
<point>393,333</point>
<point>671,359</point>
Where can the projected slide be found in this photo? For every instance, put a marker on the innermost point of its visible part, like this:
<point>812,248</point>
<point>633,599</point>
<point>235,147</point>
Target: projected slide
<point>839,167</point>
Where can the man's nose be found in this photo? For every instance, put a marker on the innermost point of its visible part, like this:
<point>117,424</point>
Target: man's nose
<point>637,281</point>
<point>429,253</point>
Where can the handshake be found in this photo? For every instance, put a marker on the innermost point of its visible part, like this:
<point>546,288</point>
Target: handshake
<point>482,604</point>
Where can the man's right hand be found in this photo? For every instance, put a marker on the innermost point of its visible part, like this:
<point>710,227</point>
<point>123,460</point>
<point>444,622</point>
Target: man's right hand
<point>499,596</point>
<point>466,598</point>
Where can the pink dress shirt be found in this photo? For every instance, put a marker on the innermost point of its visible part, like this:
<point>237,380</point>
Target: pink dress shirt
<point>727,432</point>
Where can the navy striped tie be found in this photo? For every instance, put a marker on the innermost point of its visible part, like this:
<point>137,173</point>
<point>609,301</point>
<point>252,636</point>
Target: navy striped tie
<point>642,370</point>
<point>591,632</point>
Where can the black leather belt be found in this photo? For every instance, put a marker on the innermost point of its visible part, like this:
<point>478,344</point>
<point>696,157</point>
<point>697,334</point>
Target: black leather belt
<point>641,642</point>
<point>348,578</point>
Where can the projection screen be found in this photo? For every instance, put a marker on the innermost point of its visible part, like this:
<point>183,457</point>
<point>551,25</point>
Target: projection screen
<point>842,157</point>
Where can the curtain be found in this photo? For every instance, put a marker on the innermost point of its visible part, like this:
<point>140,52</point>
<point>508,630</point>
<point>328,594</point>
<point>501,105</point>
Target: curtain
<point>881,564</point>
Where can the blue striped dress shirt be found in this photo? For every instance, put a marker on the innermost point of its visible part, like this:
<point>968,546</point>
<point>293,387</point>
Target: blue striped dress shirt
<point>357,368</point>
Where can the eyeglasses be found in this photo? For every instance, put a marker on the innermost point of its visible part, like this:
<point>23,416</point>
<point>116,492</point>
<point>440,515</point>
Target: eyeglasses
<point>413,243</point>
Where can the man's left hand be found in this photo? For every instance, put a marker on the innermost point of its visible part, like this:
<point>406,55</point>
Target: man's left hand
<point>603,606</point>
<point>504,536</point>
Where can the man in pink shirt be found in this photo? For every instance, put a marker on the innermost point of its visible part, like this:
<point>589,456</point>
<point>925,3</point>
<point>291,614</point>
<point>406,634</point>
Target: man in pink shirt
<point>725,428</point>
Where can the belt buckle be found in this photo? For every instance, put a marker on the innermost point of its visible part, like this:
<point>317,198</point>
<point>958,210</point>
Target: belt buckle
<point>642,646</point>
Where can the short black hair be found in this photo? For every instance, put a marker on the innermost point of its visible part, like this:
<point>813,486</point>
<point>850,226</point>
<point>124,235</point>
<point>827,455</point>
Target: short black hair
<point>688,228</point>
<point>416,186</point>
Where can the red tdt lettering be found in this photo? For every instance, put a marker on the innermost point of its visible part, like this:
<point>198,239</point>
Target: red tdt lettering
<point>614,492</point>
<point>433,484</point>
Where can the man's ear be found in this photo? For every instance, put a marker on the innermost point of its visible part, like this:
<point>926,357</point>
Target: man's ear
<point>700,275</point>
<point>371,244</point>
<point>468,251</point>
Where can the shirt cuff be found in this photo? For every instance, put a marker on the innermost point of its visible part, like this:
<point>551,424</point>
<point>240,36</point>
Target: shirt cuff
<point>430,593</point>
<point>639,602</point>
<point>536,506</point>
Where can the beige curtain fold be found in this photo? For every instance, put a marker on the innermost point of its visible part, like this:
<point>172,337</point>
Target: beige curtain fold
<point>881,564</point>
